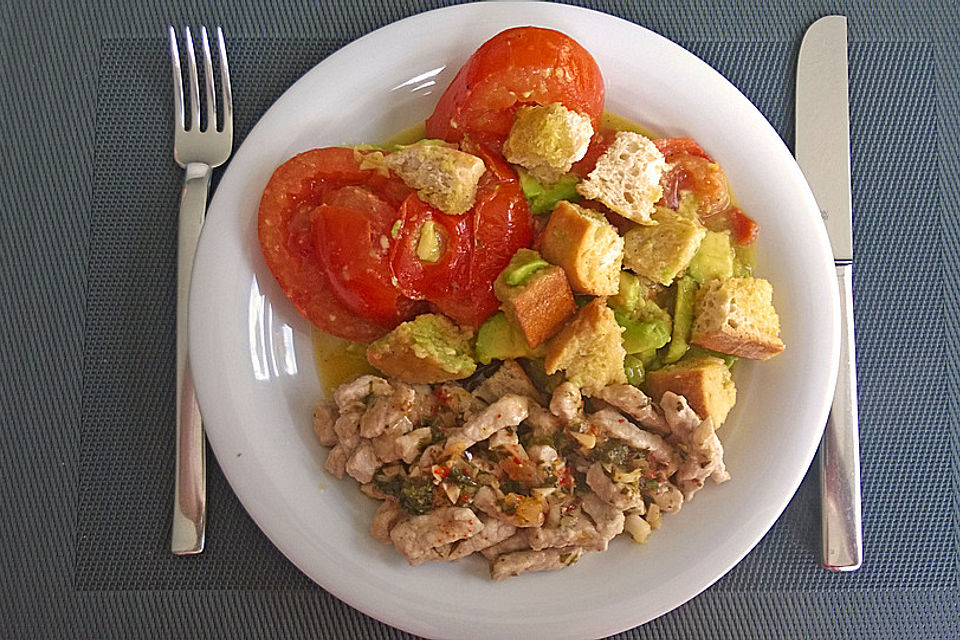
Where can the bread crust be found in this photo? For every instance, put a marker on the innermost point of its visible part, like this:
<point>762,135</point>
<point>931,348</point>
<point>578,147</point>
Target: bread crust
<point>539,307</point>
<point>587,246</point>
<point>737,317</point>
<point>706,383</point>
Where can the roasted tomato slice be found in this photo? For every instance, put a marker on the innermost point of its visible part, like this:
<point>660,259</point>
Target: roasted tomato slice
<point>351,238</point>
<point>431,251</point>
<point>671,147</point>
<point>524,65</point>
<point>692,169</point>
<point>742,227</point>
<point>286,218</point>
<point>501,224</point>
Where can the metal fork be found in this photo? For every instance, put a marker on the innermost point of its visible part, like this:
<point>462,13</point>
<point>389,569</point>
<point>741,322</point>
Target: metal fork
<point>198,150</point>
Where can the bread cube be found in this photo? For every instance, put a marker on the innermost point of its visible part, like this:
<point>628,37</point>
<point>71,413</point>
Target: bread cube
<point>627,177</point>
<point>430,348</point>
<point>589,349</point>
<point>540,305</point>
<point>443,176</point>
<point>705,382</point>
<point>661,252</point>
<point>587,246</point>
<point>737,317</point>
<point>547,140</point>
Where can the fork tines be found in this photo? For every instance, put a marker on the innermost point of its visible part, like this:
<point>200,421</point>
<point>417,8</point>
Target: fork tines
<point>209,120</point>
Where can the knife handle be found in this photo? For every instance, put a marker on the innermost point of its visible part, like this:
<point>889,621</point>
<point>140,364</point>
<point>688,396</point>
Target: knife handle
<point>840,451</point>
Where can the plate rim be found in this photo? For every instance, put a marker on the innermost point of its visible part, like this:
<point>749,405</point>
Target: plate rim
<point>547,11</point>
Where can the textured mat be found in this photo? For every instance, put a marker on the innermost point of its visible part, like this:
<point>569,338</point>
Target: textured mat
<point>88,262</point>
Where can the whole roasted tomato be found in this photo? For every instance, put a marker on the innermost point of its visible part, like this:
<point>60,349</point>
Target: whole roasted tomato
<point>322,225</point>
<point>525,65</point>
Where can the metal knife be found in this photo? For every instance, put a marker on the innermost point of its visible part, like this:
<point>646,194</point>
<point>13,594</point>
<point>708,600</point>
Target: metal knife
<point>823,153</point>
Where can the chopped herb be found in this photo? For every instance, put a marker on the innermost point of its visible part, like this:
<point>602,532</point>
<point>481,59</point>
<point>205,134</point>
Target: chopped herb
<point>416,496</point>
<point>612,451</point>
<point>462,478</point>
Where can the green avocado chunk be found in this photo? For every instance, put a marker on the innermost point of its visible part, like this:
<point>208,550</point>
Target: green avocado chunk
<point>523,264</point>
<point>682,319</point>
<point>714,258</point>
<point>430,348</point>
<point>498,339</point>
<point>543,198</point>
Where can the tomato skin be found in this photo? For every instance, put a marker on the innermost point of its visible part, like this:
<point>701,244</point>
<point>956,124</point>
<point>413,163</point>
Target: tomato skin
<point>671,147</point>
<point>421,280</point>
<point>505,73</point>
<point>703,177</point>
<point>285,231</point>
<point>742,227</point>
<point>501,223</point>
<point>348,244</point>
<point>599,143</point>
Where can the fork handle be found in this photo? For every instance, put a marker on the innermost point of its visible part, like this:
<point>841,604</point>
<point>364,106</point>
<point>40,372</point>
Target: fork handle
<point>840,451</point>
<point>190,485</point>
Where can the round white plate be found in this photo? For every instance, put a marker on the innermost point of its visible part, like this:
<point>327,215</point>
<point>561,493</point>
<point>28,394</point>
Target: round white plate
<point>257,382</point>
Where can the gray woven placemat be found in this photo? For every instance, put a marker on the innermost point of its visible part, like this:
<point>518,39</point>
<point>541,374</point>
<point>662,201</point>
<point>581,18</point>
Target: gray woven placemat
<point>88,263</point>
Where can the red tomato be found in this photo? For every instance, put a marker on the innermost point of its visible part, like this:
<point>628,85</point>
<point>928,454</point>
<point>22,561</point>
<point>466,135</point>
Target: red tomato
<point>600,142</point>
<point>671,147</point>
<point>285,230</point>
<point>524,65</point>
<point>422,280</point>
<point>703,177</point>
<point>353,247</point>
<point>501,224</point>
<point>743,228</point>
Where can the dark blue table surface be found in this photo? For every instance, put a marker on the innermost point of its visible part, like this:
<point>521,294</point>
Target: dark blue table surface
<point>88,245</point>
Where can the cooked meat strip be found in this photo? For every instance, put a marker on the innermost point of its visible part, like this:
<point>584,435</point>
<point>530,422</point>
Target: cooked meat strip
<point>352,396</point>
<point>325,414</point>
<point>566,401</point>
<point>636,404</point>
<point>543,422</point>
<point>508,411</point>
<point>575,530</point>
<point>699,439</point>
<point>347,428</point>
<point>408,445</point>
<point>516,542</point>
<point>618,495</point>
<point>608,519</point>
<point>388,514</point>
<point>420,536</point>
<point>363,463</point>
<point>667,496</point>
<point>612,424</point>
<point>388,411</point>
<point>336,461</point>
<point>513,564</point>
<point>494,531</point>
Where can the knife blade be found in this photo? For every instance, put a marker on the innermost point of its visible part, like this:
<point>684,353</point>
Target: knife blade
<point>823,153</point>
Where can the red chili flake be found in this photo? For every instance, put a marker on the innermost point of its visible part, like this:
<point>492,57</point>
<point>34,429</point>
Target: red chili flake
<point>621,420</point>
<point>499,415</point>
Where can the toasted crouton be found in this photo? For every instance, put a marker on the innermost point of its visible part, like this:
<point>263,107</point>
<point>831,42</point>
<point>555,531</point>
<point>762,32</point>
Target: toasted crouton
<point>589,349</point>
<point>587,247</point>
<point>430,348</point>
<point>547,140</point>
<point>661,252</point>
<point>443,176</point>
<point>737,317</point>
<point>539,303</point>
<point>706,383</point>
<point>627,177</point>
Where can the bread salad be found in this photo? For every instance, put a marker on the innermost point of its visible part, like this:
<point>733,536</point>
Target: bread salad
<point>549,302</point>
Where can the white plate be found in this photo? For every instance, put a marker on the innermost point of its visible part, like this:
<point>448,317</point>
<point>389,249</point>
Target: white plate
<point>256,378</point>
